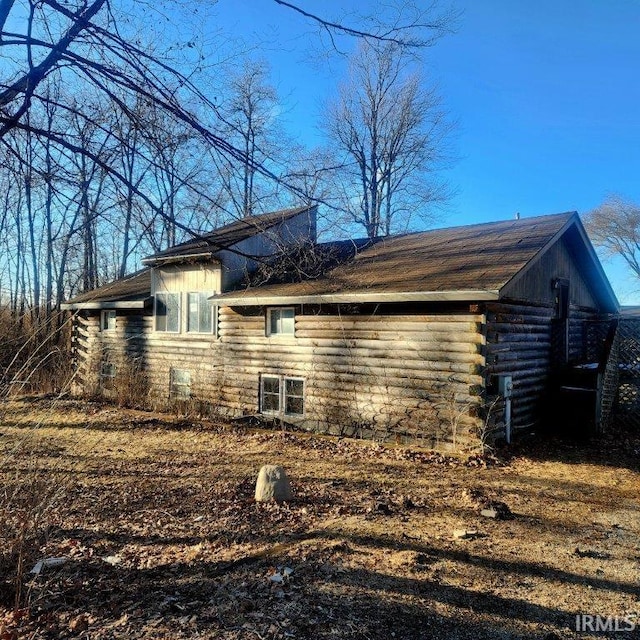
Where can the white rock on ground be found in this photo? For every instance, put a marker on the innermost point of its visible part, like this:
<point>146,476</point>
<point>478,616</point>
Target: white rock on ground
<point>273,484</point>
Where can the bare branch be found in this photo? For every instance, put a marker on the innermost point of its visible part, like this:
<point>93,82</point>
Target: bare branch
<point>614,227</point>
<point>30,80</point>
<point>5,10</point>
<point>403,35</point>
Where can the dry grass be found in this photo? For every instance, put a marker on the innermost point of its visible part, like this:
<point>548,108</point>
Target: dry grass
<point>163,540</point>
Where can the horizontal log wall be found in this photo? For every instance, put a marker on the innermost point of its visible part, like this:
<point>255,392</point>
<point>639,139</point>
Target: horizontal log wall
<point>419,375</point>
<point>387,376</point>
<point>521,343</point>
<point>143,358</point>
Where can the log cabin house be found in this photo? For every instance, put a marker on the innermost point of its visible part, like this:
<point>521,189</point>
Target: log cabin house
<point>446,337</point>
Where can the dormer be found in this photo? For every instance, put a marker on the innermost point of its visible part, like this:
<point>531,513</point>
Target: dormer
<point>177,282</point>
<point>183,277</point>
<point>233,251</point>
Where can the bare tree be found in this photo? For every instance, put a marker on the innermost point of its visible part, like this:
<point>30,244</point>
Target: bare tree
<point>389,135</point>
<point>250,115</point>
<point>80,176</point>
<point>614,227</point>
<point>81,44</point>
<point>177,164</point>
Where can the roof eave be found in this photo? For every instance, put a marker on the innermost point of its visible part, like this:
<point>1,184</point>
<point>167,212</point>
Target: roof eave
<point>604,290</point>
<point>177,259</point>
<point>96,305</point>
<point>247,300</point>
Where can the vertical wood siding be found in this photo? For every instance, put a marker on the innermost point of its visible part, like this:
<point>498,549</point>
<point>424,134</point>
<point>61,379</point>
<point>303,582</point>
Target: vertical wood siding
<point>182,279</point>
<point>536,282</point>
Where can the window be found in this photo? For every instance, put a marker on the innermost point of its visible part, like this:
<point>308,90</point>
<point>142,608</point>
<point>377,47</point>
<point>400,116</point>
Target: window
<point>281,395</point>
<point>168,312</point>
<point>293,396</point>
<point>270,394</point>
<point>200,313</point>
<point>561,338</point>
<point>180,384</point>
<point>108,320</point>
<point>281,321</point>
<point>107,374</point>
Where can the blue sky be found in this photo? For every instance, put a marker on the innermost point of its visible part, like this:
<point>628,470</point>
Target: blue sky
<point>546,94</point>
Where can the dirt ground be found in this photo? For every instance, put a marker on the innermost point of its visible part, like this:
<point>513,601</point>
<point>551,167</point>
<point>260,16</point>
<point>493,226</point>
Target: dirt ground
<point>159,537</point>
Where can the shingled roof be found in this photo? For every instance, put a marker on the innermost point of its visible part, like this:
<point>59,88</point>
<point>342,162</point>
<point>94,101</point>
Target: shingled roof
<point>206,246</point>
<point>131,292</point>
<point>469,263</point>
<point>473,262</point>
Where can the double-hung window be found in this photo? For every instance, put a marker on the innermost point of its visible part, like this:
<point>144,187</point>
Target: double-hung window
<point>201,314</point>
<point>108,320</point>
<point>281,321</point>
<point>280,395</point>
<point>168,312</point>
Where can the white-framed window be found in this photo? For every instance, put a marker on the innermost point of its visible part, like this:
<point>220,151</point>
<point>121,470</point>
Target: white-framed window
<point>281,395</point>
<point>108,320</point>
<point>281,321</point>
<point>180,384</point>
<point>201,314</point>
<point>167,312</point>
<point>270,394</point>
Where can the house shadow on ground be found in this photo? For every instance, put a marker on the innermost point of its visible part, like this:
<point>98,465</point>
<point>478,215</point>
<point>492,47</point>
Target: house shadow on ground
<point>619,447</point>
<point>257,597</point>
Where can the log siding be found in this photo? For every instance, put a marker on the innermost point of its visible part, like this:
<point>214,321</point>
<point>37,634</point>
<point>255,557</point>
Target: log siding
<point>521,343</point>
<point>360,379</point>
<point>413,376</point>
<point>429,377</point>
<point>404,340</point>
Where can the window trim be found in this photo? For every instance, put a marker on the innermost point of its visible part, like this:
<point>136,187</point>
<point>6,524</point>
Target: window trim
<point>213,311</point>
<point>155,311</point>
<point>105,316</point>
<point>270,412</point>
<point>279,334</point>
<point>282,395</point>
<point>285,395</point>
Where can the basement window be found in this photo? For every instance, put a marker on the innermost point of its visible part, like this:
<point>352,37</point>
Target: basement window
<point>180,384</point>
<point>280,395</point>
<point>281,321</point>
<point>167,312</point>
<point>108,320</point>
<point>107,374</point>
